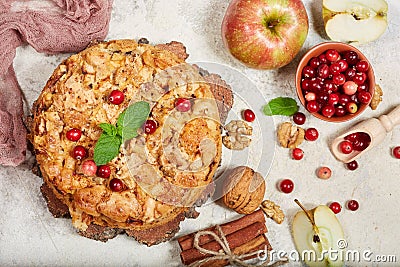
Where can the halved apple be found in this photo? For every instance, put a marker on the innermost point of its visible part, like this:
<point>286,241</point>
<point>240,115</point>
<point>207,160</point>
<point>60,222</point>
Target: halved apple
<point>316,234</point>
<point>355,21</point>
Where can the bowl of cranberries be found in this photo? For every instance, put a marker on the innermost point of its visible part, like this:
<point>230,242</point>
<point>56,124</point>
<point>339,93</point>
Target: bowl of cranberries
<point>335,82</point>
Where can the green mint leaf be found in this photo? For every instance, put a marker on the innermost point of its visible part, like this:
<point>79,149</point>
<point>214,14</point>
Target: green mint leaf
<point>281,106</point>
<point>109,129</point>
<point>106,149</point>
<point>132,119</point>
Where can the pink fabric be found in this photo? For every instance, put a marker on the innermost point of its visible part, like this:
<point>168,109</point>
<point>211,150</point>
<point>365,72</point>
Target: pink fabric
<point>50,26</point>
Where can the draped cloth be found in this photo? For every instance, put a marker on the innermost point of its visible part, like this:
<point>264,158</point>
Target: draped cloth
<point>49,26</point>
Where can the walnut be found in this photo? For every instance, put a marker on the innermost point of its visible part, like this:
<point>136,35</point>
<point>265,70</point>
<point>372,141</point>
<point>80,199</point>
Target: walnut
<point>244,190</point>
<point>376,98</point>
<point>273,211</point>
<point>237,134</point>
<point>289,135</point>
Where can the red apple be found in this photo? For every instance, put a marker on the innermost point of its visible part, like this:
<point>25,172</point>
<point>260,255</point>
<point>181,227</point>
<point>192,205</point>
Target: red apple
<point>265,34</point>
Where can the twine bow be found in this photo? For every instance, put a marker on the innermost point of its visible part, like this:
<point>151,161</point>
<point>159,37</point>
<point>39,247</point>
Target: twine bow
<point>226,253</point>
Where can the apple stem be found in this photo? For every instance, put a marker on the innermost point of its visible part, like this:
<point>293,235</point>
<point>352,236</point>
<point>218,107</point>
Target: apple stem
<point>315,237</point>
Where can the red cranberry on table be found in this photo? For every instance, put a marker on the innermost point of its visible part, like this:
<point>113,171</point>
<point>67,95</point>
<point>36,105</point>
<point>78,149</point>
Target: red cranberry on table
<point>299,118</point>
<point>116,97</point>
<point>311,134</point>
<point>324,173</point>
<point>74,134</point>
<point>286,186</point>
<point>352,165</point>
<point>297,153</point>
<point>183,104</point>
<point>335,207</point>
<point>79,152</point>
<point>396,152</point>
<point>353,205</point>
<point>248,115</point>
<point>104,171</point>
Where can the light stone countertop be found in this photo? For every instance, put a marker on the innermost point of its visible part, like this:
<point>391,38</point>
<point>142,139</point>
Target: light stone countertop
<point>29,235</point>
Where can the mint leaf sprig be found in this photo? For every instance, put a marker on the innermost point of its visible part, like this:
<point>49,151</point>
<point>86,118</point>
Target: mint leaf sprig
<point>281,106</point>
<point>129,121</point>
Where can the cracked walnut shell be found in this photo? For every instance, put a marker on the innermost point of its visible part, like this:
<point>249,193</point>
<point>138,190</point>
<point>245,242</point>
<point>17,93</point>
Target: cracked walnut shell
<point>289,135</point>
<point>244,190</point>
<point>273,211</point>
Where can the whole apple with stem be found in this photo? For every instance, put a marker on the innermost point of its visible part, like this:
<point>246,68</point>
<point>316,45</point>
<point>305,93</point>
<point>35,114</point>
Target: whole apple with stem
<point>265,34</point>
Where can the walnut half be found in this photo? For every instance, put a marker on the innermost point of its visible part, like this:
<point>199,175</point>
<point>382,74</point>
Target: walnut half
<point>237,134</point>
<point>289,135</point>
<point>376,98</point>
<point>273,211</point>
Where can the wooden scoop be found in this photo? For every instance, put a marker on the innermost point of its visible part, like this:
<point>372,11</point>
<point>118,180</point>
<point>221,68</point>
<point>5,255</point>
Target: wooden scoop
<point>375,128</point>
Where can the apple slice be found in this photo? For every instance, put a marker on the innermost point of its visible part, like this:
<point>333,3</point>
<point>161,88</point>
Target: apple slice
<point>355,21</point>
<point>316,234</point>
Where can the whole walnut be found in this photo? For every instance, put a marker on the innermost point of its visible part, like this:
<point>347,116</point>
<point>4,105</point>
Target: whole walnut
<point>243,190</point>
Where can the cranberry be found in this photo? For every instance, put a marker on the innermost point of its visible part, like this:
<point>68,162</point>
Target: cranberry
<point>333,99</point>
<point>183,104</point>
<point>299,118</point>
<point>116,97</point>
<point>330,86</point>
<point>297,153</point>
<point>363,87</point>
<point>360,78</point>
<point>350,73</point>
<point>328,111</point>
<point>396,152</point>
<point>352,165</point>
<point>104,171</point>
<point>343,65</point>
<point>362,66</point>
<point>339,79</point>
<point>310,96</point>
<point>309,72</point>
<point>314,62</point>
<point>286,186</point>
<point>315,85</point>
<point>116,185</point>
<point>346,147</point>
<point>305,84</point>
<point>332,55</point>
<point>351,57</point>
<point>352,205</point>
<point>79,152</point>
<point>322,97</point>
<point>74,134</point>
<point>334,68</point>
<point>340,111</point>
<point>364,97</point>
<point>313,106</point>
<point>350,87</point>
<point>323,71</point>
<point>150,126</point>
<point>249,115</point>
<point>351,107</point>
<point>89,168</point>
<point>311,134</point>
<point>335,207</point>
<point>344,99</point>
<point>324,173</point>
<point>323,59</point>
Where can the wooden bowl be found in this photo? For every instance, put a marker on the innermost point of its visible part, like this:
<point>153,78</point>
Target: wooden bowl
<point>315,52</point>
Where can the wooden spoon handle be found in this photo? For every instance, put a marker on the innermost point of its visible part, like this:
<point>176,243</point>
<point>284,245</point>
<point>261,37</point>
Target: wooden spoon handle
<point>391,120</point>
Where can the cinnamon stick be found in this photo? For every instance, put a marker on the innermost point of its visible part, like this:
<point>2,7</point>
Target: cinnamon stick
<point>186,241</point>
<point>235,240</point>
<point>259,243</point>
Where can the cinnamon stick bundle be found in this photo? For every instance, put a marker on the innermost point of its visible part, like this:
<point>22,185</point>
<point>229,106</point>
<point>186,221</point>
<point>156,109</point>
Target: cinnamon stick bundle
<point>244,235</point>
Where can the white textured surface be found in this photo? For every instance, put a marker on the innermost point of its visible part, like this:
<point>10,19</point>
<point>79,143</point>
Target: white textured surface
<point>29,235</point>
